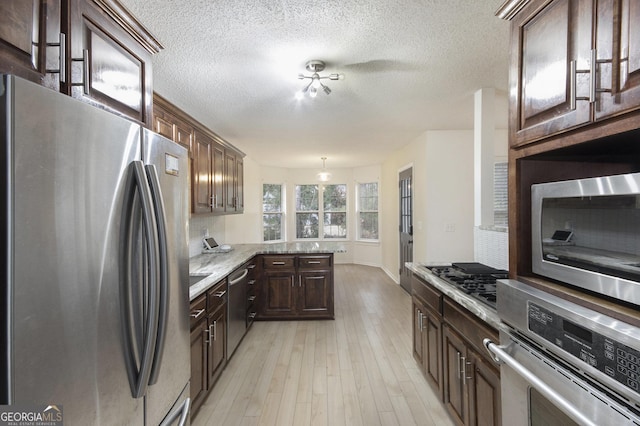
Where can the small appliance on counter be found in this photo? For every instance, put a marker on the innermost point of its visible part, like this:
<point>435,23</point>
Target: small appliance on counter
<point>209,245</point>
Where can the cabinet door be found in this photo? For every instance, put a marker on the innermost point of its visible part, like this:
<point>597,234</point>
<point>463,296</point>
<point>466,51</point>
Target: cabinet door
<point>315,295</point>
<point>198,384</point>
<point>278,293</point>
<point>110,58</point>
<point>618,57</point>
<point>418,339</point>
<point>230,182</point>
<point>432,355</point>
<point>484,391</point>
<point>239,185</point>
<point>455,393</point>
<point>551,70</point>
<point>20,29</point>
<point>217,340</point>
<point>201,185</point>
<point>162,126</point>
<point>218,178</point>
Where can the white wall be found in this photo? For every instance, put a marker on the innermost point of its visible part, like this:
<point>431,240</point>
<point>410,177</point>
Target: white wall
<point>247,227</point>
<point>442,164</point>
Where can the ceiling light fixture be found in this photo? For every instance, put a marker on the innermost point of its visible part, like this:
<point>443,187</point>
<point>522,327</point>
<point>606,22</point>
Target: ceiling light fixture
<point>315,67</point>
<point>323,175</point>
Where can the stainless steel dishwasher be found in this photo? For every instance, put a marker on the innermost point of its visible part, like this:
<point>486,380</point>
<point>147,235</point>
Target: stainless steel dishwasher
<point>237,308</point>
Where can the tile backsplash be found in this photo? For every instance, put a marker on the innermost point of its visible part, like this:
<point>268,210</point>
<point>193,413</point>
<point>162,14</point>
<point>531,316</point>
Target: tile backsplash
<point>491,247</point>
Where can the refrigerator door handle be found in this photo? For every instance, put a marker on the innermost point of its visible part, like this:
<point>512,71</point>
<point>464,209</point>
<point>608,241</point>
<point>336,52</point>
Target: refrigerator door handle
<point>182,412</point>
<point>136,183</point>
<point>163,262</point>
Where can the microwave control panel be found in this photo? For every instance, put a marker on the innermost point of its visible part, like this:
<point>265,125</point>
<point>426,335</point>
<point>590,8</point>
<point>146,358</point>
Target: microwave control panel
<point>616,360</point>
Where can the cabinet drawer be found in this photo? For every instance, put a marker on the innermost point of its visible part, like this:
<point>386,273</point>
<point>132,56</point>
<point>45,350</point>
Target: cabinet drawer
<point>198,310</point>
<point>469,326</point>
<point>217,296</point>
<point>310,262</point>
<point>279,262</point>
<point>431,297</point>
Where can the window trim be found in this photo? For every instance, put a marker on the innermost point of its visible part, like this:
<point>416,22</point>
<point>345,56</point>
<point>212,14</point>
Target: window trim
<point>358,211</point>
<point>320,212</point>
<point>281,212</point>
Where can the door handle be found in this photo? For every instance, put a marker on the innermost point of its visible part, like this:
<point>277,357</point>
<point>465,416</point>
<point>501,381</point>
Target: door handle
<point>163,262</point>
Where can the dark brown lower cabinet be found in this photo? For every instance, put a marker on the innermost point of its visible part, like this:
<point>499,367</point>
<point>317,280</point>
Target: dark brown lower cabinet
<point>208,341</point>
<point>447,344</point>
<point>199,327</point>
<point>297,287</point>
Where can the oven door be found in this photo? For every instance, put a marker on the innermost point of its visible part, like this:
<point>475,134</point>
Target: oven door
<point>540,390</point>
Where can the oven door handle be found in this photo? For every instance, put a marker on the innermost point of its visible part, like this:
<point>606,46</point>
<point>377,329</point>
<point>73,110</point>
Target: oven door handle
<point>499,354</point>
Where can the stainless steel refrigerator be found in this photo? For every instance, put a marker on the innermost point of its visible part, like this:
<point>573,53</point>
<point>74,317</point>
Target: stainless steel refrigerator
<point>95,300</point>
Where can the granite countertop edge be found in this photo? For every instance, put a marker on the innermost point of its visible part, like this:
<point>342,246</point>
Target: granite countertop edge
<point>215,266</point>
<point>479,309</point>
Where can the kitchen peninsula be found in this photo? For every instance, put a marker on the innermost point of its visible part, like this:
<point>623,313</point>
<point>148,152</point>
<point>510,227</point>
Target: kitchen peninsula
<point>208,268</point>
<point>229,290</point>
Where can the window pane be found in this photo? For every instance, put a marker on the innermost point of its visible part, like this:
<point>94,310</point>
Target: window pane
<point>272,226</point>
<point>369,226</point>
<point>500,195</point>
<point>335,198</point>
<point>307,225</point>
<point>271,198</point>
<point>335,225</point>
<point>368,196</point>
<point>306,198</point>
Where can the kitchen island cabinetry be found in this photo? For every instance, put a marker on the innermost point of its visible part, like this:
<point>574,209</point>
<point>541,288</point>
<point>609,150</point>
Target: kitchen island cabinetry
<point>447,344</point>
<point>574,63</point>
<point>297,287</point>
<point>208,341</point>
<point>93,50</point>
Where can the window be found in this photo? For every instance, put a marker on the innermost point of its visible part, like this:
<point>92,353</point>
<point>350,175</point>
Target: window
<point>272,212</point>
<point>500,195</point>
<point>333,211</point>
<point>367,211</point>
<point>307,212</point>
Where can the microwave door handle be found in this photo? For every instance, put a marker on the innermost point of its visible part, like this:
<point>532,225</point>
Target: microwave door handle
<point>163,261</point>
<point>499,355</point>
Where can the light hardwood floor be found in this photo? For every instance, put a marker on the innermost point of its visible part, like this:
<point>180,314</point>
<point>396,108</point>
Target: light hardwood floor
<point>356,370</point>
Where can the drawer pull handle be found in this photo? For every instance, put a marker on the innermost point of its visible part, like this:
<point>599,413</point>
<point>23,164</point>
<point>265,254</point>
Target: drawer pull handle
<point>220,293</point>
<point>252,315</point>
<point>313,262</point>
<point>197,314</point>
<point>252,282</point>
<point>278,263</point>
<point>252,298</point>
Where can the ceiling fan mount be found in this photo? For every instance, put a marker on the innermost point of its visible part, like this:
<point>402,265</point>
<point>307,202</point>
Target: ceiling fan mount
<point>315,66</point>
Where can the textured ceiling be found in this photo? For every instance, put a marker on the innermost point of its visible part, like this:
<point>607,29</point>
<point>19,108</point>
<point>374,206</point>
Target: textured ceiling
<point>408,66</point>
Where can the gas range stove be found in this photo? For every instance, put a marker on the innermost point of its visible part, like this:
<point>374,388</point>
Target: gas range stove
<point>475,279</point>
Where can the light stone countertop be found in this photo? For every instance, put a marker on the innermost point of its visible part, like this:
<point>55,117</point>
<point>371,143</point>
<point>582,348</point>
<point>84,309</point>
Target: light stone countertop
<point>479,309</point>
<point>215,266</point>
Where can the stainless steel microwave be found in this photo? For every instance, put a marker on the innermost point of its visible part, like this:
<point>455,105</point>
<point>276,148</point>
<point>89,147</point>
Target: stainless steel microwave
<point>586,233</point>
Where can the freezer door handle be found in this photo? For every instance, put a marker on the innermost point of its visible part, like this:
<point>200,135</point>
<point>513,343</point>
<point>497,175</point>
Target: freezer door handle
<point>140,317</point>
<point>163,261</point>
<point>181,413</point>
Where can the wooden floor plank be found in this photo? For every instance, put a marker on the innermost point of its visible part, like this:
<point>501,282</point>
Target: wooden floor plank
<point>356,370</point>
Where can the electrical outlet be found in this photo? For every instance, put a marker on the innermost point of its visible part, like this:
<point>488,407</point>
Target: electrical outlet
<point>205,232</point>
<point>449,227</point>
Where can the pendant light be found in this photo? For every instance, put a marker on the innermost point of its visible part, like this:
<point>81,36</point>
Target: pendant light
<point>323,175</point>
<point>315,84</point>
